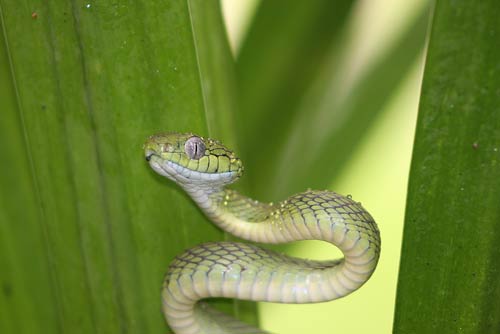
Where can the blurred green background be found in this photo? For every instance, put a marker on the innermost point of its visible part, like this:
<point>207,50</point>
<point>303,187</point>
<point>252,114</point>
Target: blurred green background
<point>376,172</point>
<point>319,94</point>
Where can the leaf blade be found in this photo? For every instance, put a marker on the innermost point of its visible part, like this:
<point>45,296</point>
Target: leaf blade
<point>448,274</point>
<point>94,81</point>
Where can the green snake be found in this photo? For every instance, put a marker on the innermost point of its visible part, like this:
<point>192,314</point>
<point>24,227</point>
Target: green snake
<point>203,167</point>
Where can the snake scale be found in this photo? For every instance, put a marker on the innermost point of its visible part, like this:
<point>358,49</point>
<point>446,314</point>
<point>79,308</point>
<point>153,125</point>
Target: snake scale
<point>203,167</point>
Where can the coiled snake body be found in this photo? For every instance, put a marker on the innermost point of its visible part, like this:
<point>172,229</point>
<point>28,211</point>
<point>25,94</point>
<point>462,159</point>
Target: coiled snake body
<point>203,167</point>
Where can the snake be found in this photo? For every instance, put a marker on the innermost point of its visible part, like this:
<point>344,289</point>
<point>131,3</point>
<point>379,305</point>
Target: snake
<point>203,168</point>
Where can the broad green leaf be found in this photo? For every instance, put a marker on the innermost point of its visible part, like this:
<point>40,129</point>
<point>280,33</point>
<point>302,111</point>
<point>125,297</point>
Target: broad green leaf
<point>449,273</point>
<point>87,229</point>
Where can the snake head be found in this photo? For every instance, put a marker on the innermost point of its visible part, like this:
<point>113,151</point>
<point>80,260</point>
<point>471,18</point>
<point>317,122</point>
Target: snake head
<point>191,160</point>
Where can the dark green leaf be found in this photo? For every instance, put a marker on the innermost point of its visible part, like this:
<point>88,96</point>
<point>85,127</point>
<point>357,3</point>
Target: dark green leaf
<point>89,81</point>
<point>449,276</point>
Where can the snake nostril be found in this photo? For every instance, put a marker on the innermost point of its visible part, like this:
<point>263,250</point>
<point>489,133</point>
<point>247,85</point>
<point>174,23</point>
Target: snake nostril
<point>148,157</point>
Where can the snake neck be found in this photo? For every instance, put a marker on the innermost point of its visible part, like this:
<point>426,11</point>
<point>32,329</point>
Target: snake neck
<point>233,212</point>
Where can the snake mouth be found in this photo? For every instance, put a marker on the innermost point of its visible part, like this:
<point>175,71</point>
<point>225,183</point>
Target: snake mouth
<point>182,175</point>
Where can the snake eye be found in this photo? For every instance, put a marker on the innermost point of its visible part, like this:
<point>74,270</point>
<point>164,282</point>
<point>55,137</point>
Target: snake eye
<point>194,148</point>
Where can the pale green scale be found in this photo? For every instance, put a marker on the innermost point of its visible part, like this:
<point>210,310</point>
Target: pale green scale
<point>203,164</point>
<point>193,164</point>
<point>203,167</point>
<point>212,164</point>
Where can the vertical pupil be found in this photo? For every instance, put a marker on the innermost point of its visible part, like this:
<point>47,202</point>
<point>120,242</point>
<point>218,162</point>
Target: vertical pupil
<point>195,148</point>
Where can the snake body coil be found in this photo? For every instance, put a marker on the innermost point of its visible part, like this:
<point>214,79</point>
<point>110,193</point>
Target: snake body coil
<point>203,167</point>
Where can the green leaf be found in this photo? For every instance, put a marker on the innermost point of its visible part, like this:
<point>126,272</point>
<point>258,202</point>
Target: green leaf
<point>216,66</point>
<point>271,64</point>
<point>278,61</point>
<point>307,113</point>
<point>449,274</point>
<point>87,228</point>
<point>26,295</point>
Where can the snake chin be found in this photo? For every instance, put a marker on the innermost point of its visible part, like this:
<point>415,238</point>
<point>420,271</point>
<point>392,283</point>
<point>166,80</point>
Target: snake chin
<point>156,164</point>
